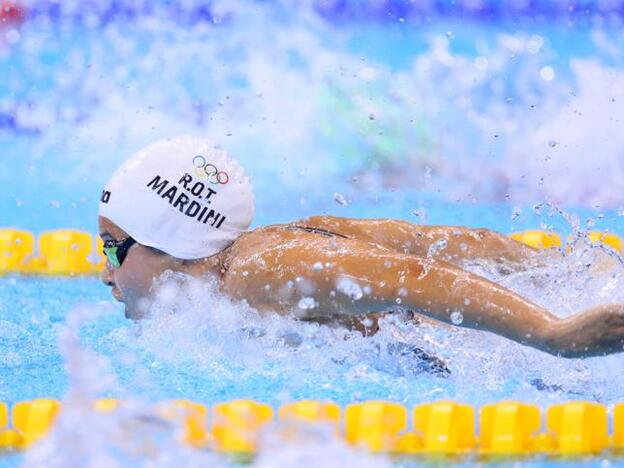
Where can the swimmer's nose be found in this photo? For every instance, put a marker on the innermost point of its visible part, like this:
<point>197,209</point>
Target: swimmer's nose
<point>107,275</point>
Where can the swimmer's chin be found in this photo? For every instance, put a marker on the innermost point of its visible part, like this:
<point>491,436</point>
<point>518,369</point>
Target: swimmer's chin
<point>132,314</point>
<point>129,312</point>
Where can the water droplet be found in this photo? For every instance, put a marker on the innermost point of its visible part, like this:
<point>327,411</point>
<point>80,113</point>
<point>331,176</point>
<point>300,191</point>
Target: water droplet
<point>317,266</point>
<point>371,116</point>
<point>538,208</point>
<point>307,303</point>
<point>553,143</point>
<point>547,73</point>
<point>245,273</point>
<point>438,245</point>
<point>457,317</point>
<point>420,213</point>
<point>349,288</point>
<point>340,199</point>
<point>398,300</point>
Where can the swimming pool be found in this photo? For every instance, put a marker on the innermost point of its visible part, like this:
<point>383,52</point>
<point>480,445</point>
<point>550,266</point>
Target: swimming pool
<point>448,120</point>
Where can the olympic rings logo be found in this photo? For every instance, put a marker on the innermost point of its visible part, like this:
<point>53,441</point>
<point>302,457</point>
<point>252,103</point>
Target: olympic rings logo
<point>205,170</point>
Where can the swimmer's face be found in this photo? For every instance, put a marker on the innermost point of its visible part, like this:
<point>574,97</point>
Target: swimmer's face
<point>132,282</point>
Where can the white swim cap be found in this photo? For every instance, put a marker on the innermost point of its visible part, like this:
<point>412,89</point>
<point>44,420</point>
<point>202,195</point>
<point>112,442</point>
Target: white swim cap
<point>183,196</point>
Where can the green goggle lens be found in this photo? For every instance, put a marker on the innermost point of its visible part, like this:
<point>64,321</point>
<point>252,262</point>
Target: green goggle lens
<point>111,255</point>
<point>116,251</point>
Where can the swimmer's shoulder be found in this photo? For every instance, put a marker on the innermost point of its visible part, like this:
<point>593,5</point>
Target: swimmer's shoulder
<point>252,243</point>
<point>270,235</point>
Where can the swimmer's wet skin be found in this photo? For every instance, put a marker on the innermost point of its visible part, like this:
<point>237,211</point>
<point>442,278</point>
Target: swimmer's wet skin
<point>344,267</point>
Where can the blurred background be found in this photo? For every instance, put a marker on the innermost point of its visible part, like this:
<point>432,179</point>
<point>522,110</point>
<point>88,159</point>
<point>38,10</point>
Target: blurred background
<point>479,112</point>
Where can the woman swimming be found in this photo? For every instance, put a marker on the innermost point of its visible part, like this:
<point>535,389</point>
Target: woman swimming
<point>185,206</point>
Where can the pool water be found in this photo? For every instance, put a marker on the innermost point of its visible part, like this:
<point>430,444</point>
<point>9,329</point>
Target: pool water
<point>508,123</point>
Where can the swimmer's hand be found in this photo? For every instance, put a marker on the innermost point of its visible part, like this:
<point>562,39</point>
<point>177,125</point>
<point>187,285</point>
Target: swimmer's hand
<point>596,332</point>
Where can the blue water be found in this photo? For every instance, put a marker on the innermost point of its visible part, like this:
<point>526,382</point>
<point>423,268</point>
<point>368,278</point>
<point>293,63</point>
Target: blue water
<point>437,115</point>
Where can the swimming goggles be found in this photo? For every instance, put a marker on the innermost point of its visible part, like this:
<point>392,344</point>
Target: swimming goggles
<point>116,250</point>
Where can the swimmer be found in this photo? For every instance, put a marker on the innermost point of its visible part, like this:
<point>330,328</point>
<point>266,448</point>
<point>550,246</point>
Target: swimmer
<point>186,206</point>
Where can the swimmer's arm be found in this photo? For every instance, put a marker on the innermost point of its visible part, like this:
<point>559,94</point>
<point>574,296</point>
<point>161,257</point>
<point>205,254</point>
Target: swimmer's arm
<point>450,243</point>
<point>434,288</point>
<point>462,243</point>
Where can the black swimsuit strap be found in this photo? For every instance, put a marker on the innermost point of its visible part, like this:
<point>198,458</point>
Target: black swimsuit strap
<point>323,232</point>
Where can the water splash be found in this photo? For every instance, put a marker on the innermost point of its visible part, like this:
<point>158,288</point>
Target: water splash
<point>132,434</point>
<point>135,434</point>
